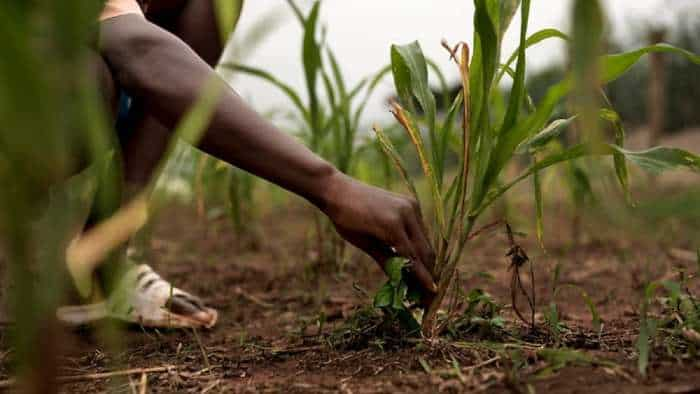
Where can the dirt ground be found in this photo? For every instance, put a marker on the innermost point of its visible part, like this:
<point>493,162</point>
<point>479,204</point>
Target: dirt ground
<point>271,300</point>
<point>287,325</point>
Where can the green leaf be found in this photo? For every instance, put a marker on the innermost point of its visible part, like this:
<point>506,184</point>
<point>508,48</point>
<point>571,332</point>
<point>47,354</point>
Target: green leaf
<point>613,66</point>
<point>384,297</point>
<point>228,12</point>
<point>262,74</point>
<point>518,91</point>
<point>311,59</point>
<point>586,46</point>
<point>595,316</point>
<point>400,293</point>
<point>534,39</point>
<point>507,12</point>
<point>659,159</point>
<point>411,79</point>
<point>647,328</point>
<point>645,333</point>
<point>444,136</point>
<point>410,71</point>
<point>393,268</point>
<point>539,221</point>
<point>411,126</point>
<point>539,140</point>
<point>619,159</point>
<point>444,86</point>
<point>374,82</point>
<point>391,152</point>
<point>569,154</point>
<point>557,359</point>
<point>297,11</point>
<point>484,64</point>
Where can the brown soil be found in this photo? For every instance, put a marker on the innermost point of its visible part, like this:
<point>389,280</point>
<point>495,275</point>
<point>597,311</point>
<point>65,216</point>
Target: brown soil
<point>270,299</point>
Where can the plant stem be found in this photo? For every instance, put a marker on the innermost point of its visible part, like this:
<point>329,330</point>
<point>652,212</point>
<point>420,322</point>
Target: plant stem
<point>446,275</point>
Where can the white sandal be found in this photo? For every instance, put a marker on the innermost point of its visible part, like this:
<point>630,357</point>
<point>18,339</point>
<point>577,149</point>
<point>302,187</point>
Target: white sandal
<point>146,299</point>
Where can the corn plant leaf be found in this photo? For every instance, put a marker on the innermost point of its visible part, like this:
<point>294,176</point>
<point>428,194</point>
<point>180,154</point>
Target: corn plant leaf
<point>484,64</point>
<point>262,74</point>
<point>411,79</point>
<point>444,135</point>
<point>539,204</point>
<point>572,153</point>
<point>612,67</point>
<point>372,85</point>
<point>507,12</point>
<point>615,65</point>
<point>392,153</point>
<point>549,133</point>
<point>228,12</point>
<point>311,59</point>
<point>586,46</point>
<point>619,159</point>
<point>411,127</point>
<point>660,159</point>
<point>344,111</point>
<point>532,40</point>
<point>518,90</point>
<point>444,86</point>
<point>410,71</point>
<point>297,12</point>
<point>655,160</point>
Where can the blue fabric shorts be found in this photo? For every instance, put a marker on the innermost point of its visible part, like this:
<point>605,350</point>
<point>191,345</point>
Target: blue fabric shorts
<point>124,122</point>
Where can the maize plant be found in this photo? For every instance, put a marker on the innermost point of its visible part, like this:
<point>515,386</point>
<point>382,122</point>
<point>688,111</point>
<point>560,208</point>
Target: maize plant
<point>328,128</point>
<point>486,142</point>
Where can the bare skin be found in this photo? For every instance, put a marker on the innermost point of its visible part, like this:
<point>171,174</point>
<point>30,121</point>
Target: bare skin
<point>165,77</point>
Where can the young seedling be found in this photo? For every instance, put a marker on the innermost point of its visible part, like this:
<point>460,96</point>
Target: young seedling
<point>486,144</point>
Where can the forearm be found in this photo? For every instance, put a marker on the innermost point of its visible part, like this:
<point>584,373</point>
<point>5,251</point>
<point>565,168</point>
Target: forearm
<point>165,74</point>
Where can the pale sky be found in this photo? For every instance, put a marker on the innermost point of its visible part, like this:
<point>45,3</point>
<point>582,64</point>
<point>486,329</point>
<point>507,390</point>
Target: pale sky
<point>361,32</point>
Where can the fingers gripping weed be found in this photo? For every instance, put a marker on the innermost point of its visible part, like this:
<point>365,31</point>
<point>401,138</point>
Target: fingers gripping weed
<point>395,297</point>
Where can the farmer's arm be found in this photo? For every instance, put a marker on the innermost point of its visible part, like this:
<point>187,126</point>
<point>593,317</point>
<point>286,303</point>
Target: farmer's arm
<point>168,76</point>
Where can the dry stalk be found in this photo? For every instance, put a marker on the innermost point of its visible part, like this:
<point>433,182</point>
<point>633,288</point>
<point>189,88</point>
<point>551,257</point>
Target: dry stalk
<point>9,383</point>
<point>518,258</point>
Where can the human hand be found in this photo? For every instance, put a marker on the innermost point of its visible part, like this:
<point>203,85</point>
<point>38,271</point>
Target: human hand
<point>383,224</point>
